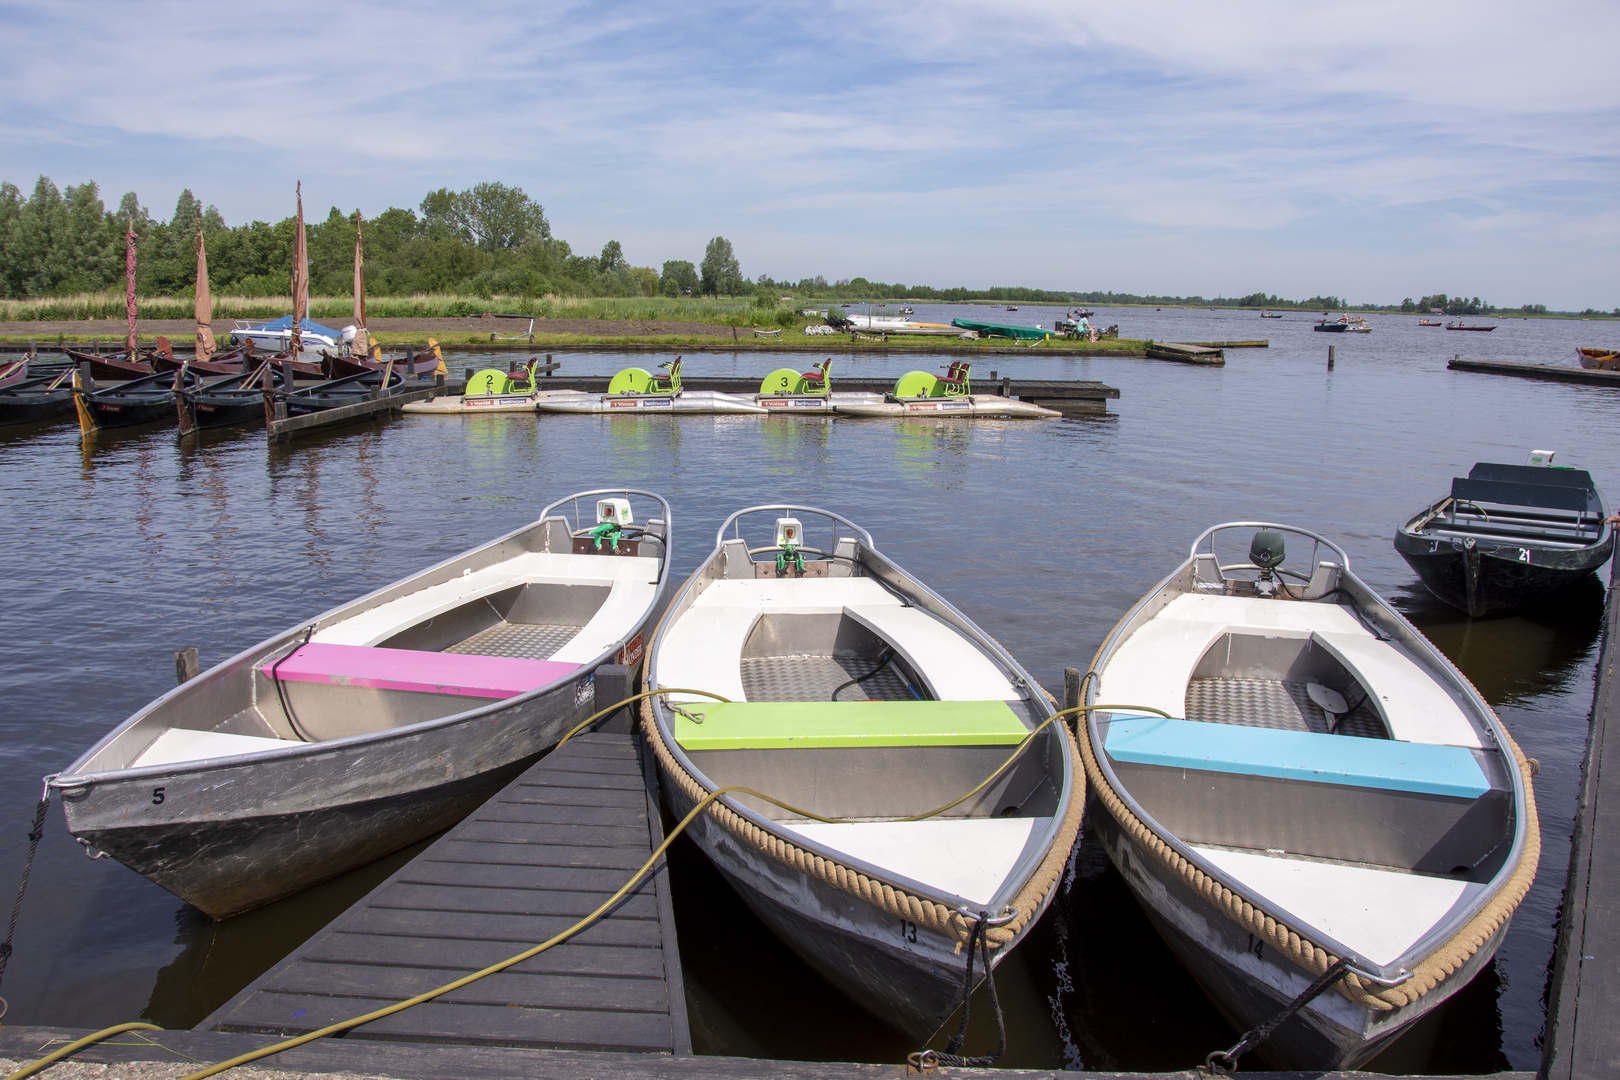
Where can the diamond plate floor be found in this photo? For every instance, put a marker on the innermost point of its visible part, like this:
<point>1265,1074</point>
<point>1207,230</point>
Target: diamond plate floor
<point>814,678</point>
<point>1272,703</point>
<point>524,641</point>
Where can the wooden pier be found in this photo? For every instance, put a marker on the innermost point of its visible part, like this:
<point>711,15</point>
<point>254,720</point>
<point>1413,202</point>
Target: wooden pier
<point>1545,372</point>
<point>545,851</point>
<point>1186,354</point>
<point>1582,1037</point>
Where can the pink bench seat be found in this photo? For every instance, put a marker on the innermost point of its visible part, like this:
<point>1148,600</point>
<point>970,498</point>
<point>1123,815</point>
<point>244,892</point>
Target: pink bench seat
<point>426,672</point>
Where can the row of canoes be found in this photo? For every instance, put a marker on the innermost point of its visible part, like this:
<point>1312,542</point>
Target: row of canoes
<point>1293,780</point>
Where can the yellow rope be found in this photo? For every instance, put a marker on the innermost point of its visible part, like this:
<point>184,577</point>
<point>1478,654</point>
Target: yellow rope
<point>77,1045</point>
<point>582,924</point>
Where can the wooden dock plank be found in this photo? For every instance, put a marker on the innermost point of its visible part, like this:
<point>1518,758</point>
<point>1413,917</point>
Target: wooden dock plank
<point>1544,372</point>
<point>1582,1037</point>
<point>461,956</point>
<point>549,849</point>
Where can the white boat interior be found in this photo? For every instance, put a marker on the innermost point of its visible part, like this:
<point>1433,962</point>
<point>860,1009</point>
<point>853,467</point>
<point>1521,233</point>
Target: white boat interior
<point>494,624</point>
<point>852,701</point>
<point>1323,769</point>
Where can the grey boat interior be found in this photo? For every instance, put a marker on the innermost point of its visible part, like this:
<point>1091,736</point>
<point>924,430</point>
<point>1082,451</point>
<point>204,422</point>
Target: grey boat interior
<point>1517,505</point>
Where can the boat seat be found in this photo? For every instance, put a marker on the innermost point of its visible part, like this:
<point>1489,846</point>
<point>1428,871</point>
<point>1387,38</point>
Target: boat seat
<point>1415,708</point>
<point>969,858</point>
<point>810,725</point>
<point>952,666</point>
<point>1423,768</point>
<point>184,744</point>
<point>633,582</point>
<point>460,674</point>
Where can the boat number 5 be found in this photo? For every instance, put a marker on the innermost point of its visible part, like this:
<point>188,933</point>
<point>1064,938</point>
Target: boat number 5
<point>157,795</point>
<point>908,931</point>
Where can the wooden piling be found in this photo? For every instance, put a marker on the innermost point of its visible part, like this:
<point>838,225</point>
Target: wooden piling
<point>1332,352</point>
<point>187,665</point>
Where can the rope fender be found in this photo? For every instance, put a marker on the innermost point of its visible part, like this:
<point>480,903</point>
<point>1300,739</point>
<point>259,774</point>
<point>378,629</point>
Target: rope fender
<point>1435,969</point>
<point>897,903</point>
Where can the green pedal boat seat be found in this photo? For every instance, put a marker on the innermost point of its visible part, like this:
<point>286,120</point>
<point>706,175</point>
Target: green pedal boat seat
<point>786,725</point>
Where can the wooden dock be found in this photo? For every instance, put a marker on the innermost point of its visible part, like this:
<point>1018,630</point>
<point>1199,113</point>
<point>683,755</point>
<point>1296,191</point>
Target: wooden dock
<point>1065,395</point>
<point>1582,1036</point>
<point>284,428</point>
<point>1257,343</point>
<point>546,850</point>
<point>1546,372</point>
<point>1186,354</point>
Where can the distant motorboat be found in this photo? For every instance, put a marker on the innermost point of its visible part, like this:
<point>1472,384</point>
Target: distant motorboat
<point>1010,307</point>
<point>1459,326</point>
<point>1430,322</point>
<point>1269,315</point>
<point>276,336</point>
<point>1345,324</point>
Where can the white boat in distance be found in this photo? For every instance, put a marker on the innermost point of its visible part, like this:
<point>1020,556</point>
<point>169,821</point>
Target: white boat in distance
<point>275,336</point>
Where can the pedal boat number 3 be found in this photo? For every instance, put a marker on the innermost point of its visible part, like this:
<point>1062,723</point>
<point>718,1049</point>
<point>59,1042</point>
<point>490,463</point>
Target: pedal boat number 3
<point>857,694</point>
<point>1331,788</point>
<point>380,722</point>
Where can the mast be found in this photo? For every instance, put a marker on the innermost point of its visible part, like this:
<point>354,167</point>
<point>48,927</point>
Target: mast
<point>129,288</point>
<point>300,279</point>
<point>203,308</point>
<point>361,345</point>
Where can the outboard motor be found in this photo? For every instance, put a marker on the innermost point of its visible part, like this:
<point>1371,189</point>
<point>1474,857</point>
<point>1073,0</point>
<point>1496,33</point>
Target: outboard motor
<point>1267,552</point>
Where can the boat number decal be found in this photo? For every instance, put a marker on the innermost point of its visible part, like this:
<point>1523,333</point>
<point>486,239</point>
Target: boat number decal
<point>774,403</point>
<point>584,690</point>
<point>631,652</point>
<point>1524,555</point>
<point>1256,946</point>
<point>157,795</point>
<point>621,404</point>
<point>908,930</point>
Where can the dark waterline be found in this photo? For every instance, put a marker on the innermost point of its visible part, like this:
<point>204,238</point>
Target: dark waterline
<point>1042,532</point>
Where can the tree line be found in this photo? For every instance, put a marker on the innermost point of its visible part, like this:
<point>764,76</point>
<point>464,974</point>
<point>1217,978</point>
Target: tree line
<point>489,240</point>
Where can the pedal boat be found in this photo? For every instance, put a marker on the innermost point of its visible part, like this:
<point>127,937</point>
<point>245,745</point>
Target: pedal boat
<point>1330,788</point>
<point>857,693</point>
<point>1508,536</point>
<point>636,390</point>
<point>378,723</point>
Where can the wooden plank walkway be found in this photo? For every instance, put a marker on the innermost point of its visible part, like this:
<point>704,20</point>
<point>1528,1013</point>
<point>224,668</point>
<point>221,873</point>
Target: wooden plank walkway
<point>1582,1036</point>
<point>546,850</point>
<point>1545,372</point>
<point>283,429</point>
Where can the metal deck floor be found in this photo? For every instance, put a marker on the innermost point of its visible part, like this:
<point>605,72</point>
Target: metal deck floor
<point>544,851</point>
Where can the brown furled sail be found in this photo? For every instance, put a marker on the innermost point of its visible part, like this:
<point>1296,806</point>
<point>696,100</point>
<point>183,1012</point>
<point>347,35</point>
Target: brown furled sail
<point>203,308</point>
<point>361,345</point>
<point>129,288</point>
<point>300,279</point>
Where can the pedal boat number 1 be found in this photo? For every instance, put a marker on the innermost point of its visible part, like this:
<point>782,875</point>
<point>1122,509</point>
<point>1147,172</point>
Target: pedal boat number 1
<point>1331,788</point>
<point>382,721</point>
<point>856,694</point>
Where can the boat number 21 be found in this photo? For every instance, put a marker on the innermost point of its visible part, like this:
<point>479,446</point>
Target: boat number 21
<point>1524,555</point>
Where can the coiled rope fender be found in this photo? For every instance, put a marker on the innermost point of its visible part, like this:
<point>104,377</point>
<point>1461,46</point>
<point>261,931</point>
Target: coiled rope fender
<point>1435,969</point>
<point>897,903</point>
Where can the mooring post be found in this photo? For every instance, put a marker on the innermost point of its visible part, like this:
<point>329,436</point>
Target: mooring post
<point>1006,385</point>
<point>410,357</point>
<point>1071,688</point>
<point>87,381</point>
<point>1331,351</point>
<point>548,365</point>
<point>287,374</point>
<point>187,665</point>
<point>615,682</point>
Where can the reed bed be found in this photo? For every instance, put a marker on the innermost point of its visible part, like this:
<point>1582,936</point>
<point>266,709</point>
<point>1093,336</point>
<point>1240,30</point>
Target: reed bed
<point>110,305</point>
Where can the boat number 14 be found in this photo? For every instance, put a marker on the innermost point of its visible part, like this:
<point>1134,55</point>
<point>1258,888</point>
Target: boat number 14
<point>1256,946</point>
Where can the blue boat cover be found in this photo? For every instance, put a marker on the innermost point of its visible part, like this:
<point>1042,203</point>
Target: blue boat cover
<point>1297,755</point>
<point>285,323</point>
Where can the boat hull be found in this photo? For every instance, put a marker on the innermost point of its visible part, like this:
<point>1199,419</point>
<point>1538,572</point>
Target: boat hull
<point>1251,983</point>
<point>686,402</point>
<point>899,972</point>
<point>25,408</point>
<point>1481,580</point>
<point>130,412</point>
<point>983,405</point>
<point>218,412</point>
<point>1599,359</point>
<point>1331,328</point>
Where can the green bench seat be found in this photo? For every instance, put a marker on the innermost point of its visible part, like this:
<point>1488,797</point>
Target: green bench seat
<point>790,725</point>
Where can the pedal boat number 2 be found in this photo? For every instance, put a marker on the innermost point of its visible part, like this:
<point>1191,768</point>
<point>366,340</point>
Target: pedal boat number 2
<point>382,721</point>
<point>1331,788</point>
<point>857,694</point>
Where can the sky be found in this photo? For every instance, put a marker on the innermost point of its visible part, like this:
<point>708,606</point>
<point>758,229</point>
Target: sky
<point>1373,151</point>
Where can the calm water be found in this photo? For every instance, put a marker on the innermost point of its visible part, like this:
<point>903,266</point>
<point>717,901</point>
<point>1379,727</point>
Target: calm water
<point>1043,532</point>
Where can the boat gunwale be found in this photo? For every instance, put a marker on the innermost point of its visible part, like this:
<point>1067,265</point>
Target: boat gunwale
<point>1041,705</point>
<point>1398,970</point>
<point>1606,535</point>
<point>69,780</point>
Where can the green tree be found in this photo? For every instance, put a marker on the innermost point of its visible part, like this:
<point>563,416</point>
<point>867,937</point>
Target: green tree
<point>721,274</point>
<point>678,279</point>
<point>612,258</point>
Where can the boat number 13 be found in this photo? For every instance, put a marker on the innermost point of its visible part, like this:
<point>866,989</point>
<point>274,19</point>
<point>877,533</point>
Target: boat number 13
<point>908,930</point>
